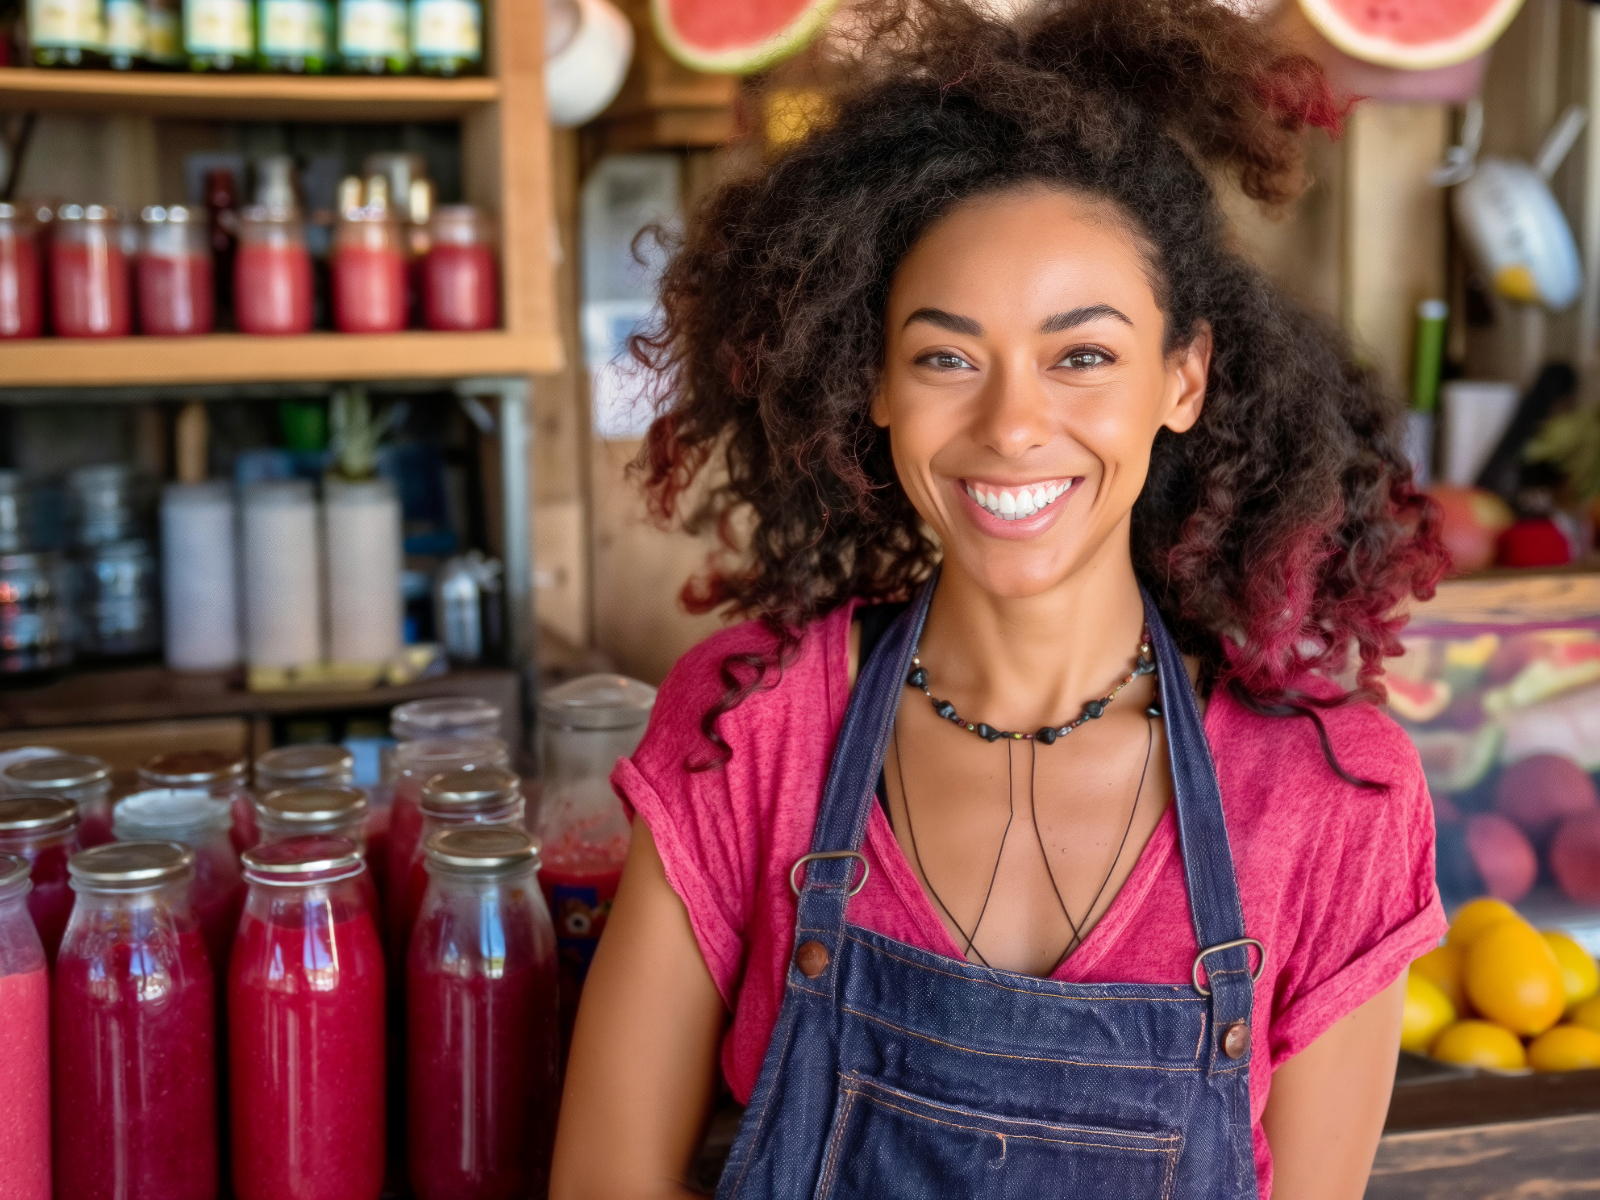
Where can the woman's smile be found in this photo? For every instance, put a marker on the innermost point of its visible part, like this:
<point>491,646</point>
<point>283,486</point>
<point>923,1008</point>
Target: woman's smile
<point>1017,510</point>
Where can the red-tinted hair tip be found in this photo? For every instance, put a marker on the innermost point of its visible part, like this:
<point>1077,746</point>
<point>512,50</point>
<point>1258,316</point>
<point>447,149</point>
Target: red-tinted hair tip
<point>1297,93</point>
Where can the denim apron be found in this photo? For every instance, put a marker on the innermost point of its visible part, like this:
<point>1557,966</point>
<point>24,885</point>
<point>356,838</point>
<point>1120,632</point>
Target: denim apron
<point>896,1074</point>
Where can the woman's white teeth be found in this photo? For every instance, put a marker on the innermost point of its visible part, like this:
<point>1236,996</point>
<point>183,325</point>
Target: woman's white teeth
<point>1013,505</point>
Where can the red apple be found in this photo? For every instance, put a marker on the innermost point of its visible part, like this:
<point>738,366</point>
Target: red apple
<point>1575,857</point>
<point>1539,791</point>
<point>1502,855</point>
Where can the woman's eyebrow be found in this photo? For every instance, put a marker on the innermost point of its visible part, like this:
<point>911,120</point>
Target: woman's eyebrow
<point>1081,316</point>
<point>944,320</point>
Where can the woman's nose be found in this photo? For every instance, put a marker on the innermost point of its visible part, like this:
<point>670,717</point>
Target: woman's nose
<point>1014,412</point>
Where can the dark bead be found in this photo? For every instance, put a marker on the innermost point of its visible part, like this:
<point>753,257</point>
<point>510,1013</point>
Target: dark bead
<point>988,732</point>
<point>945,709</point>
<point>1047,735</point>
<point>918,678</point>
<point>1094,708</point>
<point>1153,711</point>
<point>1146,666</point>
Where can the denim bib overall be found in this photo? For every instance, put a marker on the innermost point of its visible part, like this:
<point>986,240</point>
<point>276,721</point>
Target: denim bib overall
<point>896,1074</point>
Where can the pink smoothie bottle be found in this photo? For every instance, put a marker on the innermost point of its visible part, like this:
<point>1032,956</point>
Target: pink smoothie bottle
<point>215,772</point>
<point>25,1064</point>
<point>132,1032</point>
<point>369,272</point>
<point>321,810</point>
<point>460,282</point>
<point>21,280</point>
<point>272,288</point>
<point>43,831</point>
<point>90,287</point>
<point>297,766</point>
<point>481,1021</point>
<point>306,1027</point>
<point>173,272</point>
<point>84,780</point>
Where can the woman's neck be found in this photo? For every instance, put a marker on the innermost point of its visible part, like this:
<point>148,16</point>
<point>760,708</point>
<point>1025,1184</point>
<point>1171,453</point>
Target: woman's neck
<point>1022,662</point>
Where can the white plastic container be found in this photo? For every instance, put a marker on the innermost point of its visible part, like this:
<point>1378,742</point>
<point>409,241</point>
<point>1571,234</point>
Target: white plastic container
<point>282,575</point>
<point>200,576</point>
<point>361,529</point>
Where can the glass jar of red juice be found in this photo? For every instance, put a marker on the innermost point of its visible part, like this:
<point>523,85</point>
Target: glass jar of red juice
<point>21,280</point>
<point>306,1027</point>
<point>460,281</point>
<point>271,272</point>
<point>481,1005</point>
<point>89,285</point>
<point>326,810</point>
<point>43,831</point>
<point>25,1065</point>
<point>195,819</point>
<point>416,762</point>
<point>369,272</point>
<point>299,766</point>
<point>81,778</point>
<point>175,286</point>
<point>217,773</point>
<point>133,1032</point>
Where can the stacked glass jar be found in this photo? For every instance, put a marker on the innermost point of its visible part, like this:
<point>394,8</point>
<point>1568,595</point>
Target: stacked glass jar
<point>217,773</point>
<point>84,780</point>
<point>43,832</point>
<point>326,810</point>
<point>299,766</point>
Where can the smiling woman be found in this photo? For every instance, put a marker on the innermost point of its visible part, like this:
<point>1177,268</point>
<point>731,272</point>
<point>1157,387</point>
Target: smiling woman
<point>983,853</point>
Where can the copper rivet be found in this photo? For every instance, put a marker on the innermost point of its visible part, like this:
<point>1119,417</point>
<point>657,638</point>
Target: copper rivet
<point>812,959</point>
<point>1235,1039</point>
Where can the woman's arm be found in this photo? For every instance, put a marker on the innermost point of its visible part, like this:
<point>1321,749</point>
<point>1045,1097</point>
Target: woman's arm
<point>1327,1105</point>
<point>642,1075</point>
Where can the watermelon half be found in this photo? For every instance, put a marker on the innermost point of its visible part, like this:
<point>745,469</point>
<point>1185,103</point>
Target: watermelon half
<point>738,37</point>
<point>1414,35</point>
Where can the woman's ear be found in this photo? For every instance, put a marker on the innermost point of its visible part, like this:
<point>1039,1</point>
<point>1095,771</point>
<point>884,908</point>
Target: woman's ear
<point>879,412</point>
<point>1191,368</point>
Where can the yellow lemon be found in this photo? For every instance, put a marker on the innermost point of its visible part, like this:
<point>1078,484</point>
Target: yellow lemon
<point>1480,1044</point>
<point>1565,1048</point>
<point>1442,967</point>
<point>1580,975</point>
<point>1473,917</point>
<point>1586,1014</point>
<point>1428,1010</point>
<point>1513,977</point>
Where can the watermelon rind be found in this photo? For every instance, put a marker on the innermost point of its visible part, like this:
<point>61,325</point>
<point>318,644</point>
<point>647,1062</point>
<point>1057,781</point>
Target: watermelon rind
<point>743,60</point>
<point>1331,24</point>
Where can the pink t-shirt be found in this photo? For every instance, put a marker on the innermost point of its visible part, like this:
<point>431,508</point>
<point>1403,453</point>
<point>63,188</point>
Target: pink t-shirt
<point>1336,881</point>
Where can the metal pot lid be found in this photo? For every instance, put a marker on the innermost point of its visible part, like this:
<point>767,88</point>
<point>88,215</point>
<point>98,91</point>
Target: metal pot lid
<point>598,702</point>
<point>59,772</point>
<point>167,812</point>
<point>35,815</point>
<point>315,859</point>
<point>479,787</point>
<point>314,805</point>
<point>131,864</point>
<point>481,848</point>
<point>14,869</point>
<point>193,766</point>
<point>305,764</point>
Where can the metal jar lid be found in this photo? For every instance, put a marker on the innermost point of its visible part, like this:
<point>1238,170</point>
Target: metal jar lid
<point>471,790</point>
<point>58,773</point>
<point>481,848</point>
<point>597,702</point>
<point>156,214</point>
<point>442,716</point>
<point>304,764</point>
<point>14,870</point>
<point>169,813</point>
<point>191,767</point>
<point>35,816</point>
<point>131,866</point>
<point>314,805</point>
<point>295,862</point>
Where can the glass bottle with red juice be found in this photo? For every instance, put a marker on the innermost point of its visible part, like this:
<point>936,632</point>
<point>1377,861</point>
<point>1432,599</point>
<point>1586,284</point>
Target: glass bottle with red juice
<point>369,267</point>
<point>299,766</point>
<point>21,277</point>
<point>43,831</point>
<point>175,285</point>
<point>460,281</point>
<point>133,1032</point>
<point>587,725</point>
<point>482,1036</point>
<point>306,1027</point>
<point>81,778</point>
<point>321,810</point>
<point>25,1064</point>
<point>216,772</point>
<point>271,273</point>
<point>90,292</point>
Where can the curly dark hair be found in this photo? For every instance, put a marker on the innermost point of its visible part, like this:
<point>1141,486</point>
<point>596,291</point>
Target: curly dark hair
<point>1285,523</point>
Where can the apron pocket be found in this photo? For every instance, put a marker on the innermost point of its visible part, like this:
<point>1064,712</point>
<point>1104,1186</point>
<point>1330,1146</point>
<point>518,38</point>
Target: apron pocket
<point>887,1143</point>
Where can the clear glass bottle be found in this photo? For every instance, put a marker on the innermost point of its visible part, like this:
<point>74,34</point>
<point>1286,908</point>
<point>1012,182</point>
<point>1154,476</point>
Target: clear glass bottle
<point>163,32</point>
<point>444,716</point>
<point>481,999</point>
<point>221,775</point>
<point>447,36</point>
<point>175,284</point>
<point>219,35</point>
<point>127,34</point>
<point>43,831</point>
<point>133,1031</point>
<point>67,33</point>
<point>460,281</point>
<point>374,38</point>
<point>25,1017</point>
<point>306,1027</point>
<point>325,810</point>
<point>84,780</point>
<point>90,293</point>
<point>272,291</point>
<point>294,36</point>
<point>21,276</point>
<point>193,818</point>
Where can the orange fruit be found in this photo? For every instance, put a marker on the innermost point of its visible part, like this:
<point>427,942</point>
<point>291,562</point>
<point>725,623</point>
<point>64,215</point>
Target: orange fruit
<point>1475,916</point>
<point>1513,977</point>
<point>1580,975</point>
<point>1480,1044</point>
<point>1428,1010</point>
<point>1442,967</point>
<point>1586,1014</point>
<point>1565,1048</point>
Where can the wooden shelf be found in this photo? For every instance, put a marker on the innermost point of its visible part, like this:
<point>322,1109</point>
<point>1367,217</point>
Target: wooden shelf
<point>238,358</point>
<point>245,96</point>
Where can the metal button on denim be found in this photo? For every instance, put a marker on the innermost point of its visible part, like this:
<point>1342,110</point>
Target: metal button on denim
<point>812,959</point>
<point>1236,1039</point>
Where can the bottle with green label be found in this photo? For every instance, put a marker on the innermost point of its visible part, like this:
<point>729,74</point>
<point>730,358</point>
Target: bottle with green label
<point>219,35</point>
<point>127,37</point>
<point>447,36</point>
<point>163,34</point>
<point>294,36</point>
<point>374,38</point>
<point>66,33</point>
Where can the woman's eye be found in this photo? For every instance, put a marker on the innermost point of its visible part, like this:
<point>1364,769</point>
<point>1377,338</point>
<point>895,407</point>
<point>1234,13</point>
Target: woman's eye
<point>1083,359</point>
<point>943,360</point>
